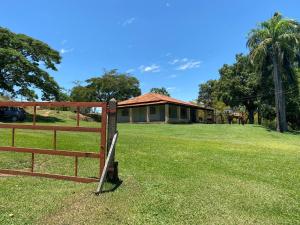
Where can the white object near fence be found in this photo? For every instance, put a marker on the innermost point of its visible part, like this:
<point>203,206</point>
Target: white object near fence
<point>107,163</point>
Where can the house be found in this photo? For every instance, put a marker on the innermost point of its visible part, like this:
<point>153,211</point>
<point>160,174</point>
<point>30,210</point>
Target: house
<point>154,107</point>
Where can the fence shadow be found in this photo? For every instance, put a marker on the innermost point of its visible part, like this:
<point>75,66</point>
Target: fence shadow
<point>43,119</point>
<point>114,187</point>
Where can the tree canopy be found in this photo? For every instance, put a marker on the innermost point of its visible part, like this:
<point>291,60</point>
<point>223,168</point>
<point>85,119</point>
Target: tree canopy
<point>24,62</point>
<point>267,80</point>
<point>238,85</point>
<point>208,93</point>
<point>276,43</point>
<point>162,91</point>
<point>111,84</point>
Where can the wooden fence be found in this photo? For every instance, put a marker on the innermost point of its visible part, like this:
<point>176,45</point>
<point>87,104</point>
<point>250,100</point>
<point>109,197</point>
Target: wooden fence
<point>108,113</point>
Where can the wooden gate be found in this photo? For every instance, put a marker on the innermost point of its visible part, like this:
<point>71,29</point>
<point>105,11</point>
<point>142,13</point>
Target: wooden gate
<point>76,154</point>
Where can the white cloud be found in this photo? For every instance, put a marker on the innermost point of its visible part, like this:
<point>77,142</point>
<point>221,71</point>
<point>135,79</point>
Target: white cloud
<point>130,71</point>
<point>171,89</point>
<point>174,61</point>
<point>128,21</point>
<point>185,63</point>
<point>64,50</point>
<point>189,65</point>
<point>152,68</point>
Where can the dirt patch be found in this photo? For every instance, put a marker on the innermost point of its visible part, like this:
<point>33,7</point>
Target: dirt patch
<point>82,118</point>
<point>47,113</point>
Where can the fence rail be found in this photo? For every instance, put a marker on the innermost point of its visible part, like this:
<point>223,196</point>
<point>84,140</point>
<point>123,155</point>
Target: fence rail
<point>57,128</point>
<point>76,154</point>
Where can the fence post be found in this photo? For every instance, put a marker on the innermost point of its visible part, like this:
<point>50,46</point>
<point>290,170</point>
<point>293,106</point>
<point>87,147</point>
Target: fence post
<point>112,175</point>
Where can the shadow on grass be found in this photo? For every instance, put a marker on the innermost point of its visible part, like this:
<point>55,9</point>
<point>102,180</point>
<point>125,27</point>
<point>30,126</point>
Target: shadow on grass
<point>113,186</point>
<point>273,129</point>
<point>294,132</point>
<point>43,119</point>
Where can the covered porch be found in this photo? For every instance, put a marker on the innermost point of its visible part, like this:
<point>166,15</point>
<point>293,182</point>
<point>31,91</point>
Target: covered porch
<point>167,113</point>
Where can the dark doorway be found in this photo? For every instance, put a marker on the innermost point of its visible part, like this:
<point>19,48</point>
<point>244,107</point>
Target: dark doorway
<point>193,115</point>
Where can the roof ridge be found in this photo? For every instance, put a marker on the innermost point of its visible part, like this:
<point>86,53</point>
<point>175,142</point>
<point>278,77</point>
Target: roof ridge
<point>154,97</point>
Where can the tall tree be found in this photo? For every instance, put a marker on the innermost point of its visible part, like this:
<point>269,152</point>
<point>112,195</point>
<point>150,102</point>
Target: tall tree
<point>81,93</point>
<point>111,85</point>
<point>21,61</point>
<point>239,85</point>
<point>208,93</point>
<point>276,40</point>
<point>162,91</point>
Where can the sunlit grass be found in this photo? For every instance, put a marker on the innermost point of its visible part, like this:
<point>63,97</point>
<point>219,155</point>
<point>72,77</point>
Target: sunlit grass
<point>172,174</point>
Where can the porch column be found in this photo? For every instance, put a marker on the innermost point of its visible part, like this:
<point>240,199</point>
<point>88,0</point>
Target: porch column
<point>166,113</point>
<point>148,114</point>
<point>130,115</point>
<point>178,113</point>
<point>188,111</point>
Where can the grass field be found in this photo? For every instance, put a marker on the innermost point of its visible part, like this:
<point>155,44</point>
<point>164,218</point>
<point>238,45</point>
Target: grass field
<point>172,174</point>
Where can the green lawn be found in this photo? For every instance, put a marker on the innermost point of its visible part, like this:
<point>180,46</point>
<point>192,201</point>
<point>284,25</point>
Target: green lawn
<point>172,174</point>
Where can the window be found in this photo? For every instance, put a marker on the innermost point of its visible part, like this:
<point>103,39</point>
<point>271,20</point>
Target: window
<point>125,112</point>
<point>152,110</point>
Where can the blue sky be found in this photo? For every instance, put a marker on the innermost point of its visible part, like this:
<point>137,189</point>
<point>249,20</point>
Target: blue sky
<point>172,43</point>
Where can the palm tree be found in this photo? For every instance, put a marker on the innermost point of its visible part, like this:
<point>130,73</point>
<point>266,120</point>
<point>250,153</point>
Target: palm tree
<point>278,41</point>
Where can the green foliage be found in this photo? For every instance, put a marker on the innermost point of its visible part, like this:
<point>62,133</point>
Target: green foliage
<point>21,59</point>
<point>250,80</point>
<point>208,92</point>
<point>162,91</point>
<point>63,96</point>
<point>239,85</point>
<point>274,50</point>
<point>111,85</point>
<point>81,93</point>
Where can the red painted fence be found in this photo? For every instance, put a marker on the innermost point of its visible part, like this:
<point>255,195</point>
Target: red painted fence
<point>76,154</point>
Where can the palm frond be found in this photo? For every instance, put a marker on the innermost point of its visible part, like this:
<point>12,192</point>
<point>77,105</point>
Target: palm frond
<point>260,51</point>
<point>256,36</point>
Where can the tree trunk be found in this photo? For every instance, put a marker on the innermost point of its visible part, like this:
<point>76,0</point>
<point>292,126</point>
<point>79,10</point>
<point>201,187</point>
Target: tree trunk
<point>251,116</point>
<point>281,123</point>
<point>259,119</point>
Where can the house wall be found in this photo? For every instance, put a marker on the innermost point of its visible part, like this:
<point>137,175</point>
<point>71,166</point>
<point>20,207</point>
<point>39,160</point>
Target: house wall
<point>173,114</point>
<point>156,114</point>
<point>121,117</point>
<point>159,114</point>
<point>139,114</point>
<point>176,115</point>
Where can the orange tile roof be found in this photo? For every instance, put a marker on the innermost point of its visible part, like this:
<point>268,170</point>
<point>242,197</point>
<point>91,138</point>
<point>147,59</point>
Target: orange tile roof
<point>153,98</point>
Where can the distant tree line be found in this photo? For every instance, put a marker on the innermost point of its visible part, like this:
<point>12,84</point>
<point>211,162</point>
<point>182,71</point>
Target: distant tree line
<point>266,81</point>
